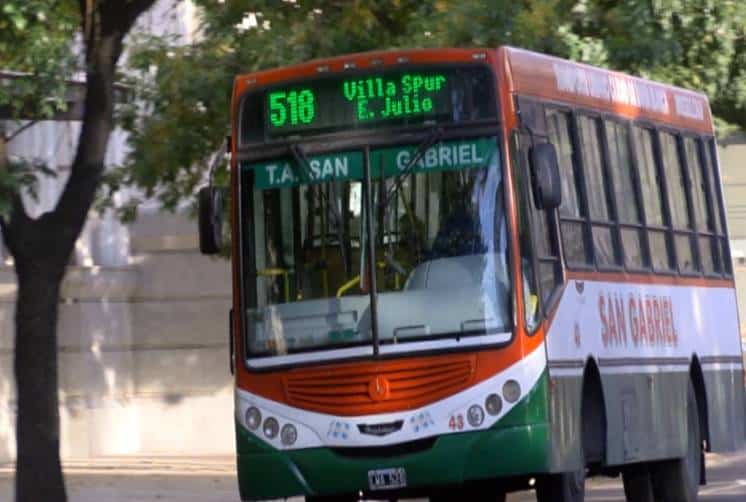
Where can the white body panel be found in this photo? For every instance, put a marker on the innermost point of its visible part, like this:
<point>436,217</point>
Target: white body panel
<point>604,320</point>
<point>319,429</point>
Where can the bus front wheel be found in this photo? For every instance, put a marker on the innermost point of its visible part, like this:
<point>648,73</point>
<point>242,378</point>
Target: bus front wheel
<point>478,493</point>
<point>678,479</point>
<point>333,498</point>
<point>562,487</point>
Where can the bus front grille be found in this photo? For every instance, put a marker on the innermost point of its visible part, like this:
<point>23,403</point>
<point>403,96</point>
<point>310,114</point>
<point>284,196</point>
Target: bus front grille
<point>378,387</point>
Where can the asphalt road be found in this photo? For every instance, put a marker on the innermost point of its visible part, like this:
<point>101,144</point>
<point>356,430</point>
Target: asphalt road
<point>726,482</point>
<point>213,479</point>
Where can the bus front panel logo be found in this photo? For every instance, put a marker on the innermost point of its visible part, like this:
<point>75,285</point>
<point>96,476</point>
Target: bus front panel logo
<point>378,388</point>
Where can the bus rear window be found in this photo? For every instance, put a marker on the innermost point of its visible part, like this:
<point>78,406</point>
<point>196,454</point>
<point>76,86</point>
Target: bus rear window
<point>398,97</point>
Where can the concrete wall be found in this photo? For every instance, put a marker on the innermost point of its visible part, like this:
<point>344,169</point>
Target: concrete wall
<point>143,350</point>
<point>733,165</point>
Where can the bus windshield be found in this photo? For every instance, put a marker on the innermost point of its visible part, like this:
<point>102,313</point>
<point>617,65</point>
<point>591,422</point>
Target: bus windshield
<point>440,247</point>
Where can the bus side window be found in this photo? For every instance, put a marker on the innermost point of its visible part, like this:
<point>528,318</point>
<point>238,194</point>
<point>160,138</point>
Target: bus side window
<point>660,252</point>
<point>539,244</point>
<point>605,249</point>
<point>715,195</point>
<point>571,212</point>
<point>678,203</point>
<point>703,220</point>
<point>626,194</point>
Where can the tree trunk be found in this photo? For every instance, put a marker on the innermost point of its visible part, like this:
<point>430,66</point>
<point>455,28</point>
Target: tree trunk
<point>38,469</point>
<point>42,247</point>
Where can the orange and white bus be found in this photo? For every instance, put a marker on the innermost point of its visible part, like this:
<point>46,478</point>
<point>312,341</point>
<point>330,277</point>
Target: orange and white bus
<point>459,273</point>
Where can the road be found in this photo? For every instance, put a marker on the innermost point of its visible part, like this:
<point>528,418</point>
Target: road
<point>213,480</point>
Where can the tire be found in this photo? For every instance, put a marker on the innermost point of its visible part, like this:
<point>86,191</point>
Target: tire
<point>678,479</point>
<point>462,494</point>
<point>333,498</point>
<point>638,484</point>
<point>563,487</point>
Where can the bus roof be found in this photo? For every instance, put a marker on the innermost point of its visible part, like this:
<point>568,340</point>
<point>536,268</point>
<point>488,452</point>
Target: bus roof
<point>577,84</point>
<point>529,74</point>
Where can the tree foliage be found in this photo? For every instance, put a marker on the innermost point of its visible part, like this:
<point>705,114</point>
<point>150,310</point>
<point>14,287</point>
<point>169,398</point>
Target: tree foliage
<point>35,40</point>
<point>35,62</point>
<point>693,43</point>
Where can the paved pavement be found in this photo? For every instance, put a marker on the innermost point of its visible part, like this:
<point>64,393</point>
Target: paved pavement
<point>213,479</point>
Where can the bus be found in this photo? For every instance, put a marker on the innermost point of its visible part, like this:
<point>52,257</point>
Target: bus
<point>464,272</point>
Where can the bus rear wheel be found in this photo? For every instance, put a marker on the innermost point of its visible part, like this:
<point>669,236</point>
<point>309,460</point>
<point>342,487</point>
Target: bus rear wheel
<point>678,479</point>
<point>333,498</point>
<point>638,484</point>
<point>480,493</point>
<point>562,487</point>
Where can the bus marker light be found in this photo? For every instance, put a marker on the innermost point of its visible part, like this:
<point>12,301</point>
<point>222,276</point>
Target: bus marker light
<point>493,404</point>
<point>288,435</point>
<point>253,418</point>
<point>475,415</point>
<point>511,391</point>
<point>271,427</point>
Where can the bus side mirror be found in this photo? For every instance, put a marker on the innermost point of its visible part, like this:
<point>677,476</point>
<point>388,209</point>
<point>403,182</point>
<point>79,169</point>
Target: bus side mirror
<point>210,220</point>
<point>545,176</point>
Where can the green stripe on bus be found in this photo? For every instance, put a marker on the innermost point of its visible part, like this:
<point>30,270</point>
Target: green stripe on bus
<point>340,166</point>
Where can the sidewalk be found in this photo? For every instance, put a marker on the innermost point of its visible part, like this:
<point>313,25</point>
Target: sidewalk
<point>143,479</point>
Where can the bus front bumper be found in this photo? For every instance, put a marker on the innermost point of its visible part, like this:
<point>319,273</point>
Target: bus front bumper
<point>517,445</point>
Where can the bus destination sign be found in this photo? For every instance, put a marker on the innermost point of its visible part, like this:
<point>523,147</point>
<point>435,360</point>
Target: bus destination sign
<point>370,98</point>
<point>389,97</point>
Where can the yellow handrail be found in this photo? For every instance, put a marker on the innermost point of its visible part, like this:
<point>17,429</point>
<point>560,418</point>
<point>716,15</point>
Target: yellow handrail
<point>347,285</point>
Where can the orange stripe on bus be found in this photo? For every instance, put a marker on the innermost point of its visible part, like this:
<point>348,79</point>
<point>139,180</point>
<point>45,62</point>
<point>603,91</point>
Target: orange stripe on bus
<point>642,278</point>
<point>343,388</point>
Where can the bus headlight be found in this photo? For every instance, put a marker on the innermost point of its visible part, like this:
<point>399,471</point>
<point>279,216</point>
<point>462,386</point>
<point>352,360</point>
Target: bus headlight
<point>253,418</point>
<point>271,427</point>
<point>511,391</point>
<point>475,415</point>
<point>493,404</point>
<point>288,434</point>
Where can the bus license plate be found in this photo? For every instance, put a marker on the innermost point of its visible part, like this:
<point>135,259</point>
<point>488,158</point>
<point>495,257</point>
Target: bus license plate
<point>387,479</point>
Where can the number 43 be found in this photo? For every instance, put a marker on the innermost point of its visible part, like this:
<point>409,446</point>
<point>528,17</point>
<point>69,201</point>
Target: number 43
<point>456,423</point>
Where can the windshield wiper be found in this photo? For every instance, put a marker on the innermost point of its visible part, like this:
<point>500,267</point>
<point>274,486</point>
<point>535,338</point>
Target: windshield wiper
<point>424,146</point>
<point>435,135</point>
<point>302,163</point>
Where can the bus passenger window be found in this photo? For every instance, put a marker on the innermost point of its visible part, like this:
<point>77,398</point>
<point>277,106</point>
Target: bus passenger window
<point>715,190</point>
<point>627,203</point>
<point>677,199</point>
<point>598,205</point>
<point>702,220</point>
<point>572,219</point>
<point>660,253</point>
<point>713,185</point>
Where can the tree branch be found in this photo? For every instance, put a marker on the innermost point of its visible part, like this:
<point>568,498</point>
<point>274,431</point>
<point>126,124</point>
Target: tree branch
<point>17,227</point>
<point>20,130</point>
